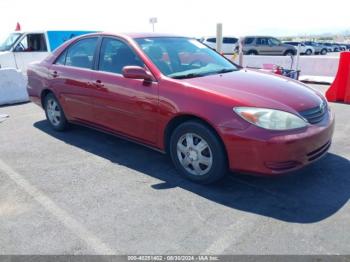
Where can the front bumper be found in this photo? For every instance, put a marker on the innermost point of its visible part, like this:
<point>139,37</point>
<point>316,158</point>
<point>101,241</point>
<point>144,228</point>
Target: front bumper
<point>260,151</point>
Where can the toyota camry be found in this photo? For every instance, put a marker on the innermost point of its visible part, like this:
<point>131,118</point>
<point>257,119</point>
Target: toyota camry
<point>180,97</point>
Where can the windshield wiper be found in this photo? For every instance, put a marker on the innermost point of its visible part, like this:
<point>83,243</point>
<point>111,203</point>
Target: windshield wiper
<point>190,75</point>
<point>225,70</point>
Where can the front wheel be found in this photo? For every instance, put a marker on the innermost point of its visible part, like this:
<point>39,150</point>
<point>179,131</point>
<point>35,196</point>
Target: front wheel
<point>54,113</point>
<point>308,52</point>
<point>197,153</point>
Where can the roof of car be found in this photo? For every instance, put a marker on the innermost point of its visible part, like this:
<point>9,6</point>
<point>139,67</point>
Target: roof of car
<point>136,35</point>
<point>258,36</point>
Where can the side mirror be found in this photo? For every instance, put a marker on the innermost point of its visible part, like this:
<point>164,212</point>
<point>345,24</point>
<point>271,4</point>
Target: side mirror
<point>136,72</point>
<point>18,48</point>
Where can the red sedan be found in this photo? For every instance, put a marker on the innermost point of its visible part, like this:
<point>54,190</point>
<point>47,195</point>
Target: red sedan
<point>178,96</point>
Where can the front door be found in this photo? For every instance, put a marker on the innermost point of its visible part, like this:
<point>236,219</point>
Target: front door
<point>32,47</point>
<point>127,106</point>
<point>276,47</point>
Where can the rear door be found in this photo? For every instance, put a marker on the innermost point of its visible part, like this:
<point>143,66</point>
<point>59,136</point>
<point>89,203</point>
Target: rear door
<point>70,78</point>
<point>229,45</point>
<point>263,46</point>
<point>127,106</point>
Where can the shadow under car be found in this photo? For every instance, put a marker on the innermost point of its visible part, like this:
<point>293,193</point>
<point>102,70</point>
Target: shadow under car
<point>308,195</point>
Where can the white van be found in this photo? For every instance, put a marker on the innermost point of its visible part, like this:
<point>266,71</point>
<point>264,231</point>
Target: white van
<point>229,43</point>
<point>21,48</point>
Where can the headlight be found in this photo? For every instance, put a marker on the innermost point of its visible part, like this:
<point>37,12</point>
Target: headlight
<point>270,118</point>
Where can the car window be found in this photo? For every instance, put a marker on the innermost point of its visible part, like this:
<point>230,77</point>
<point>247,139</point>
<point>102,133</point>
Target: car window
<point>274,41</point>
<point>81,53</point>
<point>32,43</point>
<point>262,41</point>
<point>211,40</point>
<point>61,60</point>
<point>9,41</point>
<point>179,57</point>
<point>115,54</point>
<point>230,40</point>
<point>248,40</point>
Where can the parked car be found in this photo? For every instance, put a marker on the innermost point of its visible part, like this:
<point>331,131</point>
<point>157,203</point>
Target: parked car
<point>331,47</point>
<point>304,49</point>
<point>266,45</point>
<point>229,44</point>
<point>21,48</point>
<point>342,47</point>
<point>319,48</point>
<point>347,47</point>
<point>176,95</point>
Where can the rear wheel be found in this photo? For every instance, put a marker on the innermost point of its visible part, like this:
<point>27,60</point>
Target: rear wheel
<point>323,51</point>
<point>54,113</point>
<point>197,152</point>
<point>289,53</point>
<point>252,52</point>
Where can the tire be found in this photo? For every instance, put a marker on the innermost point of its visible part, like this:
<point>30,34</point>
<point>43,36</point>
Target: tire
<point>289,53</point>
<point>252,52</point>
<point>197,153</point>
<point>323,52</point>
<point>54,113</point>
<point>308,52</point>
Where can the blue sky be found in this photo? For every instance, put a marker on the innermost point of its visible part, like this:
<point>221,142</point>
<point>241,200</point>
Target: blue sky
<point>185,17</point>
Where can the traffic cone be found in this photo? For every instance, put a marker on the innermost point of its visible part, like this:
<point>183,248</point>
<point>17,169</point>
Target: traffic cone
<point>340,89</point>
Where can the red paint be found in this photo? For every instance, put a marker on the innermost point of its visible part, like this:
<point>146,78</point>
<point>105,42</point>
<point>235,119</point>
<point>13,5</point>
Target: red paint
<point>18,27</point>
<point>141,110</point>
<point>340,89</point>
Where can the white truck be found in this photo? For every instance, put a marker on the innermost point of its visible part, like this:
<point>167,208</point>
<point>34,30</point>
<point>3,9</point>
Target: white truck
<point>20,49</point>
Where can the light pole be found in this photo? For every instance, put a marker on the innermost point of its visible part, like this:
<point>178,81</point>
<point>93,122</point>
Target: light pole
<point>153,20</point>
<point>219,38</point>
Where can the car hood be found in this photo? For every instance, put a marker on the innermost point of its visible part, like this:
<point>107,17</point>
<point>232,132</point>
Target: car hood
<point>259,89</point>
<point>289,46</point>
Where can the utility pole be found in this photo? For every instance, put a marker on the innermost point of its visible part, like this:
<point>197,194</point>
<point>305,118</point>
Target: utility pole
<point>219,37</point>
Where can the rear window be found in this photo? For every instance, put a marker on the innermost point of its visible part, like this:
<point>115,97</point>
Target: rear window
<point>80,54</point>
<point>230,40</point>
<point>262,41</point>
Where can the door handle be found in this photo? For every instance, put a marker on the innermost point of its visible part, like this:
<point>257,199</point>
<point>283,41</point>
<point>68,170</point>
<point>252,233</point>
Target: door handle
<point>54,74</point>
<point>99,84</point>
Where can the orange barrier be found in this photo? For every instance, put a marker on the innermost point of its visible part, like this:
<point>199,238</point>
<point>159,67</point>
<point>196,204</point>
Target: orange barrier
<point>340,89</point>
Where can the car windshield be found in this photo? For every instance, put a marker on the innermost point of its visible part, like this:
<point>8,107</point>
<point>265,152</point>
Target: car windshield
<point>9,41</point>
<point>179,57</point>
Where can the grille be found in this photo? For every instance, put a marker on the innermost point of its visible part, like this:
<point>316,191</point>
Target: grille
<point>281,166</point>
<point>319,151</point>
<point>316,114</point>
